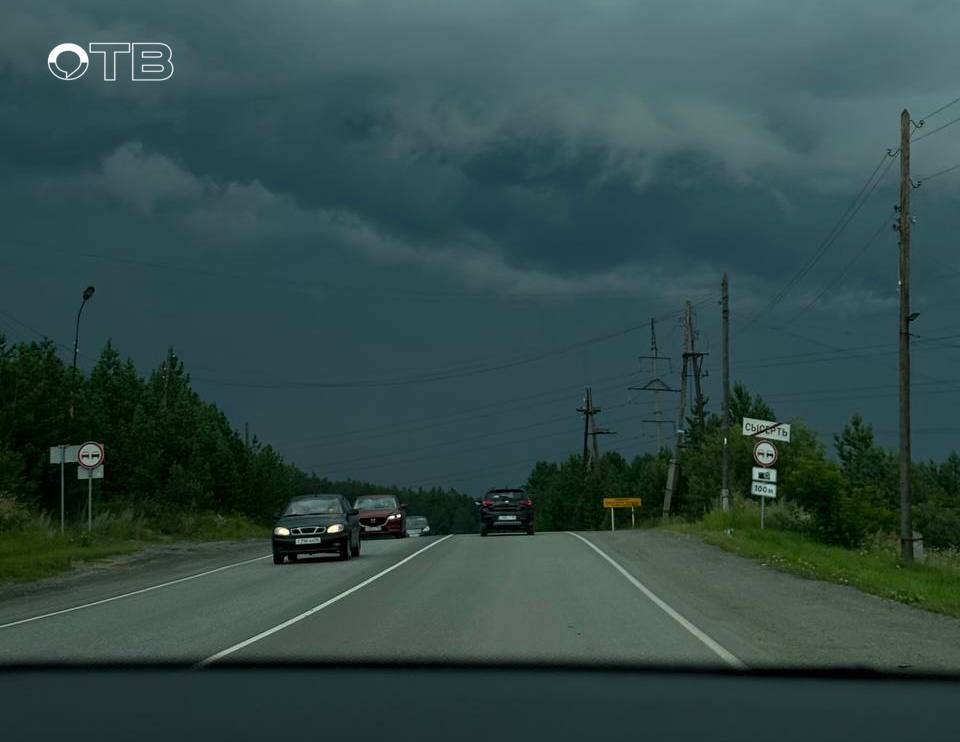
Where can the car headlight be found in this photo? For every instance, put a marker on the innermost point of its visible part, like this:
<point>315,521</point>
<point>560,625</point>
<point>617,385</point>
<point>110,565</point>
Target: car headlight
<point>335,528</point>
<point>394,516</point>
<point>281,531</point>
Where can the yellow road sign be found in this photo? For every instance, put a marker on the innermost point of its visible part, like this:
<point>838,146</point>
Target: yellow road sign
<point>621,502</point>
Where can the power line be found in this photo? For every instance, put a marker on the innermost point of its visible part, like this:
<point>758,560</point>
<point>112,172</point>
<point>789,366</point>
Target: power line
<point>944,107</point>
<point>474,369</point>
<point>450,418</point>
<point>937,174</point>
<point>930,133</point>
<point>866,190</point>
<point>840,276</point>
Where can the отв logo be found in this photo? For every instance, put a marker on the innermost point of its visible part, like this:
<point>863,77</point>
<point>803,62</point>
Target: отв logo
<point>149,61</point>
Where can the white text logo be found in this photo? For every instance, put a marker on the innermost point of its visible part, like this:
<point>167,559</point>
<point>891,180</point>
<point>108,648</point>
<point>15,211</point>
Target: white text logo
<point>149,61</point>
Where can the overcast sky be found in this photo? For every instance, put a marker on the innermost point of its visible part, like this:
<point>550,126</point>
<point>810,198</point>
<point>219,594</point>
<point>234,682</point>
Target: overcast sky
<point>398,239</point>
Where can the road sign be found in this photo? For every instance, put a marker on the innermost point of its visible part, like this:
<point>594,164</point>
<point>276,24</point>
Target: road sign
<point>90,455</point>
<point>69,454</point>
<point>95,473</point>
<point>760,474</point>
<point>621,502</point>
<point>762,489</point>
<point>768,429</point>
<point>765,453</point>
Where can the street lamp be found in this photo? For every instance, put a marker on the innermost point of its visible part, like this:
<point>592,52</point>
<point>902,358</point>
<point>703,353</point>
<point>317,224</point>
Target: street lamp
<point>87,293</point>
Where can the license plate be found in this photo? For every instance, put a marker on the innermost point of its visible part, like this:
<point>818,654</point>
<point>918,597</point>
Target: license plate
<point>372,529</point>
<point>304,541</point>
<point>506,517</point>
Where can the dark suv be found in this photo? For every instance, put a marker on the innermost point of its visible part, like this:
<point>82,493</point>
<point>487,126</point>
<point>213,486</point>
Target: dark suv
<point>506,510</point>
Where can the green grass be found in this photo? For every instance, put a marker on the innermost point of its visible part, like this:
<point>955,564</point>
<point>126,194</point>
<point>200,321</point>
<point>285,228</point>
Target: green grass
<point>933,585</point>
<point>35,548</point>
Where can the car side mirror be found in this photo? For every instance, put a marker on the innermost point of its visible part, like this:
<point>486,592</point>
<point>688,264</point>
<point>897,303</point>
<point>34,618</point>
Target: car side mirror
<point>403,506</point>
<point>354,512</point>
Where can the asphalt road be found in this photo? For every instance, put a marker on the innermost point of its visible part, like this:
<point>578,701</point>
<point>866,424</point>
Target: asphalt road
<point>644,597</point>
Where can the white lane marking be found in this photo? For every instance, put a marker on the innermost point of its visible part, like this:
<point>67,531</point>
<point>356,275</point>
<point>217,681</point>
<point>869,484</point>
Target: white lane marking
<point>306,614</point>
<point>724,654</point>
<point>131,594</point>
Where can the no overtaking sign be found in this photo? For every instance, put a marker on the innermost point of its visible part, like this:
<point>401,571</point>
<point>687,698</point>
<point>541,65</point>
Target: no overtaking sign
<point>90,455</point>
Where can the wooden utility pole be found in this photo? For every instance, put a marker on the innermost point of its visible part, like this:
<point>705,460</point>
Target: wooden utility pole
<point>673,472</point>
<point>906,522</point>
<point>588,411</point>
<point>725,481</point>
<point>591,451</point>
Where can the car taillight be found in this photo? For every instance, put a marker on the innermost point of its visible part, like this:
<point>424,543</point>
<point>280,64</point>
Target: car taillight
<point>487,503</point>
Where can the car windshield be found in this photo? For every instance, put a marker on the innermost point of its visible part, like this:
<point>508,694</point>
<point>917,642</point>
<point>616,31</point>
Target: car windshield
<point>375,503</point>
<point>649,312</point>
<point>315,506</point>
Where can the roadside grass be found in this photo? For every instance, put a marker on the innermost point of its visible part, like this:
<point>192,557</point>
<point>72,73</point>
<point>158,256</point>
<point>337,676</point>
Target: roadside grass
<point>933,585</point>
<point>35,549</point>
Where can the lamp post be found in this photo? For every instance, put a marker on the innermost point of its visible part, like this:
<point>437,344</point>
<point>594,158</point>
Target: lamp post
<point>87,294</point>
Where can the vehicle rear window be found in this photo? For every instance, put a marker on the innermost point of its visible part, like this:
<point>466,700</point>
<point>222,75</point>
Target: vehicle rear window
<point>505,496</point>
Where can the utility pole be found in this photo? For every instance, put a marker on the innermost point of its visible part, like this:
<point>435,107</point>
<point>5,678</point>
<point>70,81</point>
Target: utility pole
<point>588,411</point>
<point>591,451</point>
<point>673,472</point>
<point>656,384</point>
<point>696,365</point>
<point>725,485</point>
<point>906,523</point>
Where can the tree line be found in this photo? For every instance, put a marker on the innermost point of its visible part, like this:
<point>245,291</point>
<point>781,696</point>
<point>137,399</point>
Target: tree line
<point>167,450</point>
<point>842,499</point>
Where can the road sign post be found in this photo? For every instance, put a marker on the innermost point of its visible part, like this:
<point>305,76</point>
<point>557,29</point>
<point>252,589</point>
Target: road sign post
<point>90,458</point>
<point>764,476</point>
<point>63,454</point>
<point>622,502</point>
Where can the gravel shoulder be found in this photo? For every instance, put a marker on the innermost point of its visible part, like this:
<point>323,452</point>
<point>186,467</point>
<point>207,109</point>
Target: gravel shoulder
<point>773,619</point>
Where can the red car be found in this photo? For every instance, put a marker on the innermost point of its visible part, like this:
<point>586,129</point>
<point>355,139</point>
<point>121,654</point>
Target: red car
<point>381,515</point>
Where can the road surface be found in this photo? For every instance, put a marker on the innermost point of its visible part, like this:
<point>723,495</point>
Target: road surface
<point>646,597</point>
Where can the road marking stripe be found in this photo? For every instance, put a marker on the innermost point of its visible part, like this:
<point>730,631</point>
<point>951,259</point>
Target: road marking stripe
<point>306,614</point>
<point>724,654</point>
<point>131,594</point>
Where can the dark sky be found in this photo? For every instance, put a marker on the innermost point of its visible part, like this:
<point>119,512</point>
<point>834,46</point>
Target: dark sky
<point>399,238</point>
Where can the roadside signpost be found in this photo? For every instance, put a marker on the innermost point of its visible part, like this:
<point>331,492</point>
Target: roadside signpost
<point>765,455</point>
<point>622,502</point>
<point>63,454</point>
<point>90,458</point>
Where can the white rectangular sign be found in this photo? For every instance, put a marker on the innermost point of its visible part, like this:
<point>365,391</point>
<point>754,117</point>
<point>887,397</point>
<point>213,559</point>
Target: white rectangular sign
<point>762,489</point>
<point>69,454</point>
<point>90,473</point>
<point>768,429</point>
<point>761,474</point>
